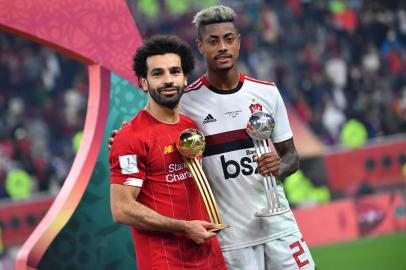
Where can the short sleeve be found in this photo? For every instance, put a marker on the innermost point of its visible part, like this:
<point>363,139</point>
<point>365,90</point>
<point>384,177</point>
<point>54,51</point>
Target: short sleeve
<point>127,160</point>
<point>282,130</point>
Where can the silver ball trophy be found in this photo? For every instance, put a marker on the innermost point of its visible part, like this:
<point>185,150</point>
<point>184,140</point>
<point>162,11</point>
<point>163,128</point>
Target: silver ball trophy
<point>260,127</point>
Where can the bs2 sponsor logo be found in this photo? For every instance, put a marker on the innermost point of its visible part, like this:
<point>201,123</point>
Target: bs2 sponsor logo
<point>232,168</point>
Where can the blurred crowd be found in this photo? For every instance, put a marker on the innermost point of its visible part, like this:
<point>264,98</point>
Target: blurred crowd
<point>334,61</point>
<point>43,97</point>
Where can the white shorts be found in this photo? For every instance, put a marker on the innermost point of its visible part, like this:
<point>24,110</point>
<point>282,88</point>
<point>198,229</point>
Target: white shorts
<point>287,253</point>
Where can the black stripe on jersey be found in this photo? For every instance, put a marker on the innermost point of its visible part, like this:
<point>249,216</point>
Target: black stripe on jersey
<point>220,148</point>
<point>227,142</point>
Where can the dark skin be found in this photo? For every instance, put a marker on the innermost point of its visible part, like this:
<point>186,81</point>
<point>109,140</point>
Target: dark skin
<point>220,45</point>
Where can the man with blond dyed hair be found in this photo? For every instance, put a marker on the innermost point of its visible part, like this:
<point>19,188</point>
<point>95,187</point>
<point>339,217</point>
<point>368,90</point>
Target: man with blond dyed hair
<point>220,102</point>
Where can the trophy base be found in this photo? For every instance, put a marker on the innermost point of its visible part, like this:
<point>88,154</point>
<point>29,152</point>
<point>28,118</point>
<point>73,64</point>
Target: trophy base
<point>222,227</point>
<point>265,212</point>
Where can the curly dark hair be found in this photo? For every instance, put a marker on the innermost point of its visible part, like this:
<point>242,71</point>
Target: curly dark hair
<point>159,45</point>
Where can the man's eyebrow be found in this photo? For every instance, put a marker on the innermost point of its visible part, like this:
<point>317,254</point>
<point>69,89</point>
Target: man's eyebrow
<point>156,69</point>
<point>226,34</point>
<point>162,69</point>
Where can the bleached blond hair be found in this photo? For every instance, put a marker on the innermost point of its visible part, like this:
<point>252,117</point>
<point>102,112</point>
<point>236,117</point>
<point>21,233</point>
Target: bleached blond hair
<point>215,14</point>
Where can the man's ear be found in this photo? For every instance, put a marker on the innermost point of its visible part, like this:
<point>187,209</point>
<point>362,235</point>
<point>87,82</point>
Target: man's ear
<point>199,46</point>
<point>143,84</point>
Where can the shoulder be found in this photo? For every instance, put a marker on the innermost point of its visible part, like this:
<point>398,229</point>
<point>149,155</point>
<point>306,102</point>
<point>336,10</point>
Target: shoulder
<point>134,130</point>
<point>188,121</point>
<point>196,85</point>
<point>259,82</point>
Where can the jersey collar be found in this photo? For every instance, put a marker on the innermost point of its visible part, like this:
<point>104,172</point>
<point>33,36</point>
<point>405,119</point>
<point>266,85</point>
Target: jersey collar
<point>220,91</point>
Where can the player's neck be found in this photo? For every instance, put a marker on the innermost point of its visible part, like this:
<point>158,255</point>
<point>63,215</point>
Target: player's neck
<point>224,80</point>
<point>163,114</point>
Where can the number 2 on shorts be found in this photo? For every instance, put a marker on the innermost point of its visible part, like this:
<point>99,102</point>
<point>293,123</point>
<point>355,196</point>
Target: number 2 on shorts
<point>296,255</point>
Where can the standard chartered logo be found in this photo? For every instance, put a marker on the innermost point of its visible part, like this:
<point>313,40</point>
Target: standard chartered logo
<point>233,168</point>
<point>178,172</point>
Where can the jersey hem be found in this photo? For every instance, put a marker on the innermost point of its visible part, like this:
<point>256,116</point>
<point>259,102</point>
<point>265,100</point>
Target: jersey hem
<point>259,241</point>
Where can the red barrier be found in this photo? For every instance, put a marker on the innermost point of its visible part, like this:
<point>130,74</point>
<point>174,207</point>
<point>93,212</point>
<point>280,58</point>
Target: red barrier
<point>379,165</point>
<point>351,219</point>
<point>329,223</point>
<point>337,221</point>
<point>19,219</point>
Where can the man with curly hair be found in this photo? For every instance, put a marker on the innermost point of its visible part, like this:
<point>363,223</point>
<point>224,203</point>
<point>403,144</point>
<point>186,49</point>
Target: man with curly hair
<point>151,188</point>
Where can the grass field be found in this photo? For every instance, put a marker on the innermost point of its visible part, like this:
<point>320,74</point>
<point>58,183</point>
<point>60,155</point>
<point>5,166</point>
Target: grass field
<point>386,252</point>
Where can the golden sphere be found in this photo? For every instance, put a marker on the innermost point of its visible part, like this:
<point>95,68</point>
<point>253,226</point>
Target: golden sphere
<point>191,143</point>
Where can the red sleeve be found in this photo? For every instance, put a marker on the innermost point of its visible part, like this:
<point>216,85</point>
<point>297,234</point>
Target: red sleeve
<point>127,159</point>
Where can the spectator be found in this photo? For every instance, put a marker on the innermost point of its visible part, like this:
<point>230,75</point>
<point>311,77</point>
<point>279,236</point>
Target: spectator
<point>367,39</point>
<point>42,105</point>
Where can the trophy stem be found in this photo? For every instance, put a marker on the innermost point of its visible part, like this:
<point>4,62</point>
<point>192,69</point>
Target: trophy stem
<point>271,188</point>
<point>273,181</point>
<point>206,192</point>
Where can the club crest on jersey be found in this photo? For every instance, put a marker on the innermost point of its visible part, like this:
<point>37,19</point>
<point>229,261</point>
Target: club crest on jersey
<point>254,107</point>
<point>169,149</point>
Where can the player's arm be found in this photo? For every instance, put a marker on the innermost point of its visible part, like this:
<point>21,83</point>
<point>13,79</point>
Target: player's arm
<point>282,164</point>
<point>286,161</point>
<point>289,158</point>
<point>126,210</point>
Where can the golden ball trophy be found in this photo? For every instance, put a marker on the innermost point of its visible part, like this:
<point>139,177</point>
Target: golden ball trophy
<point>191,144</point>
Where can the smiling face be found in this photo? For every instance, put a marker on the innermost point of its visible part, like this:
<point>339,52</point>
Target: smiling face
<point>165,79</point>
<point>220,46</point>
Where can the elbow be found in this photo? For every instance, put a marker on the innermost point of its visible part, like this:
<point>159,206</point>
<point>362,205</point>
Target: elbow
<point>117,219</point>
<point>117,214</point>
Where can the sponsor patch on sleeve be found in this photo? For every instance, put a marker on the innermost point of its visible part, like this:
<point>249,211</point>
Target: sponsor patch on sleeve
<point>128,164</point>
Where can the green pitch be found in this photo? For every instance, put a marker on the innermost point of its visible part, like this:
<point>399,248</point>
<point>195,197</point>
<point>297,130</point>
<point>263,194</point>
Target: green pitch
<point>387,252</point>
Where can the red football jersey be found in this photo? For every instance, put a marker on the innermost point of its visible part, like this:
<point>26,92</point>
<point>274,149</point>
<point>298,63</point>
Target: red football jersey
<point>144,154</point>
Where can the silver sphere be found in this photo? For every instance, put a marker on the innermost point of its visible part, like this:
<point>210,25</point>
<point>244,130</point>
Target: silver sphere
<point>260,125</point>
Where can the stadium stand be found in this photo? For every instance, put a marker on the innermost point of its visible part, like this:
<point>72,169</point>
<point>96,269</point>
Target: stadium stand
<point>42,106</point>
<point>333,60</point>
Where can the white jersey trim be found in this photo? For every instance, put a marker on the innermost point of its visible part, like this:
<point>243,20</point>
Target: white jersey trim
<point>135,182</point>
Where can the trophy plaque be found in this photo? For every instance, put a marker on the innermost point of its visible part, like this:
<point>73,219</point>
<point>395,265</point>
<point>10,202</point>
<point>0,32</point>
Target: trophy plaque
<point>259,127</point>
<point>191,144</point>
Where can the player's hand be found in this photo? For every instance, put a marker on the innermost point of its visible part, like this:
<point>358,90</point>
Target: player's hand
<point>111,138</point>
<point>198,230</point>
<point>268,163</point>
<point>113,134</point>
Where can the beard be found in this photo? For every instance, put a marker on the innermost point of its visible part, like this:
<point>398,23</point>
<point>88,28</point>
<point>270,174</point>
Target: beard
<point>164,100</point>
